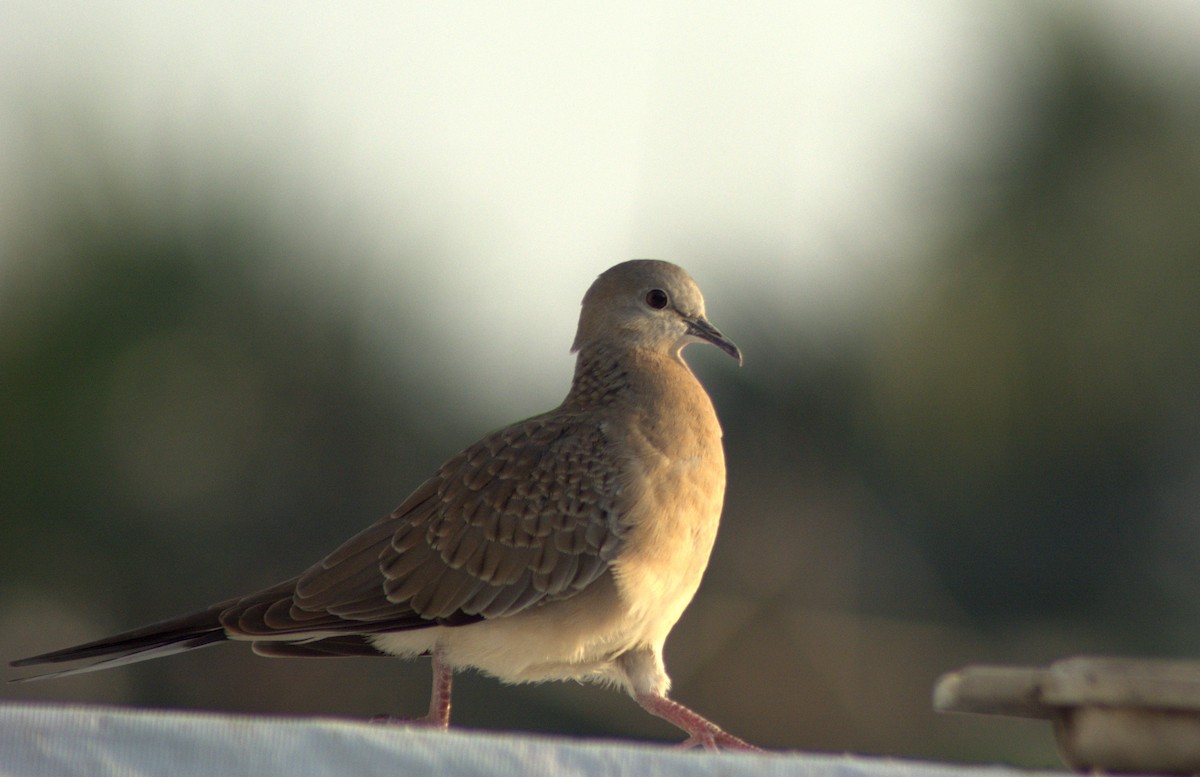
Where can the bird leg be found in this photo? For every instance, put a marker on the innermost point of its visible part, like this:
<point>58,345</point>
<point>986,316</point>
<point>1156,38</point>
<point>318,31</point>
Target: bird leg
<point>439,700</point>
<point>700,730</point>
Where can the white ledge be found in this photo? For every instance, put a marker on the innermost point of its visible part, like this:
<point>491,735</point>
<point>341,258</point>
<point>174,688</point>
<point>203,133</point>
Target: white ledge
<point>54,740</point>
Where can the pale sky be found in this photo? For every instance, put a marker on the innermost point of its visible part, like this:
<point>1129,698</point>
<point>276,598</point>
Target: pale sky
<point>782,152</point>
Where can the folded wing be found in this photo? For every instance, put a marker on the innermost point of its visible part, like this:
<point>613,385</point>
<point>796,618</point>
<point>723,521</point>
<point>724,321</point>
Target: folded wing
<point>526,515</point>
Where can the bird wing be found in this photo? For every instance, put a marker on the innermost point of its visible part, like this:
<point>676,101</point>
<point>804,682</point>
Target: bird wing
<point>526,515</point>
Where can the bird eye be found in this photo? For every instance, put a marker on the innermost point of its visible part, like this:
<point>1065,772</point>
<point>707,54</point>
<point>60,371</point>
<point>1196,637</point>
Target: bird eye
<point>657,299</point>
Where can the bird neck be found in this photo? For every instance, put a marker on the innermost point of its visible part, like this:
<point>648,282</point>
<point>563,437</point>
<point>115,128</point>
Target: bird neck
<point>600,377</point>
<point>604,376</point>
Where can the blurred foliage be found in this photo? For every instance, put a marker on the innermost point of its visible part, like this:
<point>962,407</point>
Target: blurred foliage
<point>1031,394</point>
<point>998,462</point>
<point>173,407</point>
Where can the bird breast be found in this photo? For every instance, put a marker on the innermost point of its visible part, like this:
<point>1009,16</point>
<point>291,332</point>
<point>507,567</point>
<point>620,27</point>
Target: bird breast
<point>674,486</point>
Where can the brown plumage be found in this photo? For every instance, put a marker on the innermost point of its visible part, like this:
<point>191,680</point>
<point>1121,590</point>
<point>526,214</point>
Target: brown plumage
<point>565,546</point>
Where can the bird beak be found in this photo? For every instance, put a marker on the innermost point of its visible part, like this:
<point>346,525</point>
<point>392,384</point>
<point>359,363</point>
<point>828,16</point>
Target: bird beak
<point>700,328</point>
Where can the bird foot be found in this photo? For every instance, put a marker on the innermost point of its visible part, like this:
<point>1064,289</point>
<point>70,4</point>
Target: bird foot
<point>439,702</point>
<point>717,740</point>
<point>701,731</point>
<point>425,721</point>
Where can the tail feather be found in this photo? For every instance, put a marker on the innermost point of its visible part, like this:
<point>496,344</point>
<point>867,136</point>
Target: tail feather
<point>330,647</point>
<point>164,638</point>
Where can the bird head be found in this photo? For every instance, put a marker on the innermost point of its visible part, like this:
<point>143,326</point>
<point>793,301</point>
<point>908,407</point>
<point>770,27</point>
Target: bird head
<point>647,304</point>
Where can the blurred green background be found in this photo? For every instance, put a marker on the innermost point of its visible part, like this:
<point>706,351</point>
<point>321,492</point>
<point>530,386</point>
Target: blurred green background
<point>262,271</point>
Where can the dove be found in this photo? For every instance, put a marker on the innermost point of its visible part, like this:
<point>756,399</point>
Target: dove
<point>563,547</point>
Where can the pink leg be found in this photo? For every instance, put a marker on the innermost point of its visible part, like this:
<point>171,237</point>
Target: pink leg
<point>439,701</point>
<point>699,729</point>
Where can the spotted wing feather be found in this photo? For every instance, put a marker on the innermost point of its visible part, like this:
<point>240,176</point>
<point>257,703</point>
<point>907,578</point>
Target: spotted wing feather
<point>524,516</point>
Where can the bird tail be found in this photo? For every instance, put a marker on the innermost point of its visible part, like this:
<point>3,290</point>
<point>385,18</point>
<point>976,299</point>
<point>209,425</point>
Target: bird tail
<point>164,638</point>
